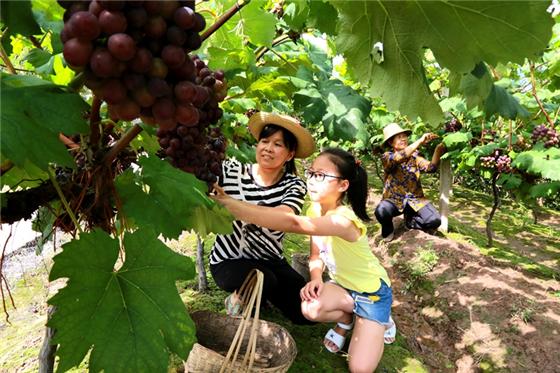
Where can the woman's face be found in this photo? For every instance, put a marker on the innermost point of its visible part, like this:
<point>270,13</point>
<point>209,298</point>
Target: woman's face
<point>272,152</point>
<point>399,142</point>
<point>329,189</point>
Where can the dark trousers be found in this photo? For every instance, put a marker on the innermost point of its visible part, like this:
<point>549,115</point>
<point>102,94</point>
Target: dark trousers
<point>281,286</point>
<point>424,219</point>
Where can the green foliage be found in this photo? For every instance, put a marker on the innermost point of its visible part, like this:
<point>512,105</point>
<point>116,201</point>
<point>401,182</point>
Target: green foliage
<point>541,162</point>
<point>169,201</point>
<point>35,109</point>
<point>318,14</point>
<point>130,318</point>
<point>17,17</point>
<point>460,35</point>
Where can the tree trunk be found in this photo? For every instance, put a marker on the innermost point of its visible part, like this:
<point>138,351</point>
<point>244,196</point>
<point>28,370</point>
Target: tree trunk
<point>495,206</point>
<point>48,350</point>
<point>445,183</point>
<point>202,281</point>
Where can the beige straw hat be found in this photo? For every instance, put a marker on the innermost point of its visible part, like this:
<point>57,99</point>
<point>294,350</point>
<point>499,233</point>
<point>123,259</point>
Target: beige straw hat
<point>305,142</point>
<point>391,130</point>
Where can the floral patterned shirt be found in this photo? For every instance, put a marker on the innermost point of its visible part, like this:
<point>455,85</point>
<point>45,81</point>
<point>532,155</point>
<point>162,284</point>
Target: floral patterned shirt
<point>402,179</point>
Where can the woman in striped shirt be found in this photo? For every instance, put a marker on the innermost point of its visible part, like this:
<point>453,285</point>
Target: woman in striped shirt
<point>270,183</point>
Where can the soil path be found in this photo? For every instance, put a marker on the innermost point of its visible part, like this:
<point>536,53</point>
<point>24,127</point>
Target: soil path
<point>471,312</point>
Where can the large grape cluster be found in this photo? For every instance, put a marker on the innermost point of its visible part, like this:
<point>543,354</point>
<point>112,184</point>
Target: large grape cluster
<point>547,135</point>
<point>453,125</point>
<point>137,57</point>
<point>498,161</point>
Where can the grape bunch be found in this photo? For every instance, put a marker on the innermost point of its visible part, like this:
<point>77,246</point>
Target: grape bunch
<point>137,57</point>
<point>498,161</point>
<point>549,136</point>
<point>453,125</point>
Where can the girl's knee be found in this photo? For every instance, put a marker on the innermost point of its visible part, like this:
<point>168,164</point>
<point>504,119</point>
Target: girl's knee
<point>356,366</point>
<point>311,310</point>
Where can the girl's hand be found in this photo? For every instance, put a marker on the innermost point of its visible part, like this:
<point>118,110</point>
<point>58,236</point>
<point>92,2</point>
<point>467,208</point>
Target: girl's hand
<point>311,290</point>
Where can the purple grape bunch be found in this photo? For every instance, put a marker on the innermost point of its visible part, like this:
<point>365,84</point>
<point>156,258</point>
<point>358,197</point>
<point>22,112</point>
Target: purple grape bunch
<point>137,57</point>
<point>547,135</point>
<point>453,125</point>
<point>498,161</point>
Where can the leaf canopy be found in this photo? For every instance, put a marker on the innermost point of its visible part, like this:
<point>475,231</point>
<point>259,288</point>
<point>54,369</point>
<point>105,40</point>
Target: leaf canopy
<point>130,318</point>
<point>459,33</point>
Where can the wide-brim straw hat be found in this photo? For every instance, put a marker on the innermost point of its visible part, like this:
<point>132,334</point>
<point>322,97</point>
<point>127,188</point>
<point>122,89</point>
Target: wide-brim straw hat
<point>391,130</point>
<point>305,142</point>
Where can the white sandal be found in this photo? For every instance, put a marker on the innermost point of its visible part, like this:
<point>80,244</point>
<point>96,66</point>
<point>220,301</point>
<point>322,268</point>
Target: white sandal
<point>336,338</point>
<point>390,332</point>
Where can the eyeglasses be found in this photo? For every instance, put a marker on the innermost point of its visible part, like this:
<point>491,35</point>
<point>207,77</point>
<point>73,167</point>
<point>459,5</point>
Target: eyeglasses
<point>319,176</point>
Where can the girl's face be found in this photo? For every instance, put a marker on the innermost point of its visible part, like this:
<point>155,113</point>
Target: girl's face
<point>272,151</point>
<point>331,187</point>
<point>399,142</point>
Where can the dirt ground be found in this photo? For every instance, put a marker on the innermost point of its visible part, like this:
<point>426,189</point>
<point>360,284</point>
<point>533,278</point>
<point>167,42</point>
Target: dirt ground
<point>471,313</point>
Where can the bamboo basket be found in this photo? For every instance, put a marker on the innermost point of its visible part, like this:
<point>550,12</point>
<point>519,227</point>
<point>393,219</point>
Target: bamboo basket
<point>225,346</point>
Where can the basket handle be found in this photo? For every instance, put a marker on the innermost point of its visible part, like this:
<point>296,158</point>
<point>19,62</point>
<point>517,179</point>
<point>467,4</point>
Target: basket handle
<point>251,289</point>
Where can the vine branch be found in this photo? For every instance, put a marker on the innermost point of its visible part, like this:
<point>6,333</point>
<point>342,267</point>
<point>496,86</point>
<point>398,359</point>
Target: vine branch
<point>63,199</point>
<point>3,280</point>
<point>122,143</point>
<point>6,59</point>
<point>223,19</point>
<point>94,120</point>
<point>534,92</point>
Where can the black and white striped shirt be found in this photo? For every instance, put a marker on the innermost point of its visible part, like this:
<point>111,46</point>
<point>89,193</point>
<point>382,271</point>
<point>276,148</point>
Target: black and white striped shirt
<point>249,241</point>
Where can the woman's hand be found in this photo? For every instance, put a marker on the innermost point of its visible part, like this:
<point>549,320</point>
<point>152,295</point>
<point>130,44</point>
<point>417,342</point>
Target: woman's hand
<point>440,148</point>
<point>311,290</point>
<point>219,195</point>
<point>427,137</point>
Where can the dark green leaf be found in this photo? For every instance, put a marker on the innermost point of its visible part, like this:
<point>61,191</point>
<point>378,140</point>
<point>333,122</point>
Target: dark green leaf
<point>545,163</point>
<point>545,189</point>
<point>503,103</point>
<point>36,114</point>
<point>296,13</point>
<point>323,16</point>
<point>130,318</point>
<point>17,16</point>
<point>175,201</point>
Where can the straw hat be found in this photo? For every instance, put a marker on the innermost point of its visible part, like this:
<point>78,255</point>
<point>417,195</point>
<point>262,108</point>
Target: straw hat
<point>391,130</point>
<point>305,142</point>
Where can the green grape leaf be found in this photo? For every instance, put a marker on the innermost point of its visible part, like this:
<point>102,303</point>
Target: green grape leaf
<point>545,189</point>
<point>34,111</point>
<point>509,181</point>
<point>459,33</point>
<point>323,16</point>
<point>310,103</point>
<point>258,25</point>
<point>545,163</point>
<point>26,176</point>
<point>132,317</point>
<point>296,13</point>
<point>455,139</point>
<point>169,201</point>
<point>18,18</point>
<point>501,102</point>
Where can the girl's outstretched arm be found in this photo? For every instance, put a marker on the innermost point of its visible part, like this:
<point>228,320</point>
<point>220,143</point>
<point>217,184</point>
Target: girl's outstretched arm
<point>272,218</point>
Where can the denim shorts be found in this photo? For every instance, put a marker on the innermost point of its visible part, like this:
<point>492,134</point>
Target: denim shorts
<point>374,306</point>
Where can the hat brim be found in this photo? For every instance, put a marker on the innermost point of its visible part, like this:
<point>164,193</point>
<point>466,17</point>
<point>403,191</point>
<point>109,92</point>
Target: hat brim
<point>305,142</point>
<point>408,132</point>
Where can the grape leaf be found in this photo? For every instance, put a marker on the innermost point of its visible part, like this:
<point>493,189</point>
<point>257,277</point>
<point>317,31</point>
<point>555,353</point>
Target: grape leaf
<point>459,33</point>
<point>259,25</point>
<point>130,318</point>
<point>545,163</point>
<point>455,139</point>
<point>545,189</point>
<point>159,196</point>
<point>33,113</point>
<point>18,18</point>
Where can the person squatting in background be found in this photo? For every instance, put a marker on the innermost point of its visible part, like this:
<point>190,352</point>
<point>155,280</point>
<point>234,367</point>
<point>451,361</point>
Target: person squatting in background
<point>359,295</point>
<point>402,190</point>
<point>269,184</point>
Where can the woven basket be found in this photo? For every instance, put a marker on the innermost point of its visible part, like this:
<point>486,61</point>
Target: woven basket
<point>276,349</point>
<point>267,348</point>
